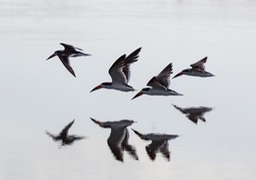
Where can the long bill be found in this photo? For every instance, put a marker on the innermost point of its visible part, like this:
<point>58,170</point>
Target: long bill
<point>137,95</point>
<point>96,88</point>
<point>51,56</point>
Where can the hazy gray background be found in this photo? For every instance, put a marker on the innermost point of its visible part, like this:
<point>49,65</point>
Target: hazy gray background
<point>39,95</point>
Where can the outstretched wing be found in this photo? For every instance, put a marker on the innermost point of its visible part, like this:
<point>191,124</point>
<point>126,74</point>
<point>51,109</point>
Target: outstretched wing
<point>106,124</point>
<point>115,140</point>
<point>126,146</point>
<point>164,76</point>
<point>154,83</point>
<point>51,135</point>
<point>70,47</point>
<point>133,57</point>
<point>65,62</point>
<point>116,71</point>
<point>164,149</point>
<point>64,131</point>
<point>199,64</point>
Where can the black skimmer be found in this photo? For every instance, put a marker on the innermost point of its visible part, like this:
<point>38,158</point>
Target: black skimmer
<point>159,144</point>
<point>194,113</point>
<point>64,137</point>
<point>197,69</point>
<point>69,51</point>
<point>119,136</point>
<point>120,73</point>
<point>159,84</point>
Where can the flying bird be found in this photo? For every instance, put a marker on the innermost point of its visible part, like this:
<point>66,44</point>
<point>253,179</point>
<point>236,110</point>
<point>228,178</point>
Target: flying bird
<point>159,84</point>
<point>69,51</point>
<point>64,137</point>
<point>120,73</point>
<point>159,143</point>
<point>197,69</point>
<point>194,113</point>
<point>119,136</point>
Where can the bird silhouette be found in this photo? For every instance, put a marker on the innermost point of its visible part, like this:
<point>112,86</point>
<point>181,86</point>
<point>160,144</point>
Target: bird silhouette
<point>197,69</point>
<point>120,73</point>
<point>159,84</point>
<point>69,51</point>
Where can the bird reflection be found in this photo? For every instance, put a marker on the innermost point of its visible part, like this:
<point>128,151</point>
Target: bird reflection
<point>159,144</point>
<point>119,136</point>
<point>64,137</point>
<point>69,51</point>
<point>194,113</point>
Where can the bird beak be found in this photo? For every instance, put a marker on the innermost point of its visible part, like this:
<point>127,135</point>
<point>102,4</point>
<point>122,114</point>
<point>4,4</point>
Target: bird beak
<point>54,54</point>
<point>97,122</point>
<point>137,95</point>
<point>177,75</point>
<point>96,88</point>
<point>136,132</point>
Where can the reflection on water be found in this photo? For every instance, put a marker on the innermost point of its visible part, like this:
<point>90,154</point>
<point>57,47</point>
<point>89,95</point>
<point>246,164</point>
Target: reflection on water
<point>119,137</point>
<point>64,137</point>
<point>34,94</point>
<point>159,143</point>
<point>194,113</point>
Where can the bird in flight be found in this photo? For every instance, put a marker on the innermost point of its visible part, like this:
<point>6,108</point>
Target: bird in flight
<point>69,51</point>
<point>120,73</point>
<point>159,85</point>
<point>197,69</point>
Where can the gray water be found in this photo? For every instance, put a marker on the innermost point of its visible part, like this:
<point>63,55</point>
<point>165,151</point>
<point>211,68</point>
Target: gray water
<point>39,95</point>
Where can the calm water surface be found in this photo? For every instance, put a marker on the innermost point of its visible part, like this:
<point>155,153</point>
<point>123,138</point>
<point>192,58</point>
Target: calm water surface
<point>39,95</point>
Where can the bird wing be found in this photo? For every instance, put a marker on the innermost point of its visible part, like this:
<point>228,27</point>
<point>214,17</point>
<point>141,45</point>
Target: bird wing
<point>183,110</point>
<point>153,148</point>
<point>164,149</point>
<point>65,62</point>
<point>70,47</point>
<point>126,146</point>
<point>120,70</point>
<point>193,117</point>
<point>64,132</point>
<point>154,83</point>
<point>51,135</point>
<point>199,64</point>
<point>106,124</point>
<point>133,57</point>
<point>162,80</point>
<point>114,141</point>
<point>116,71</point>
